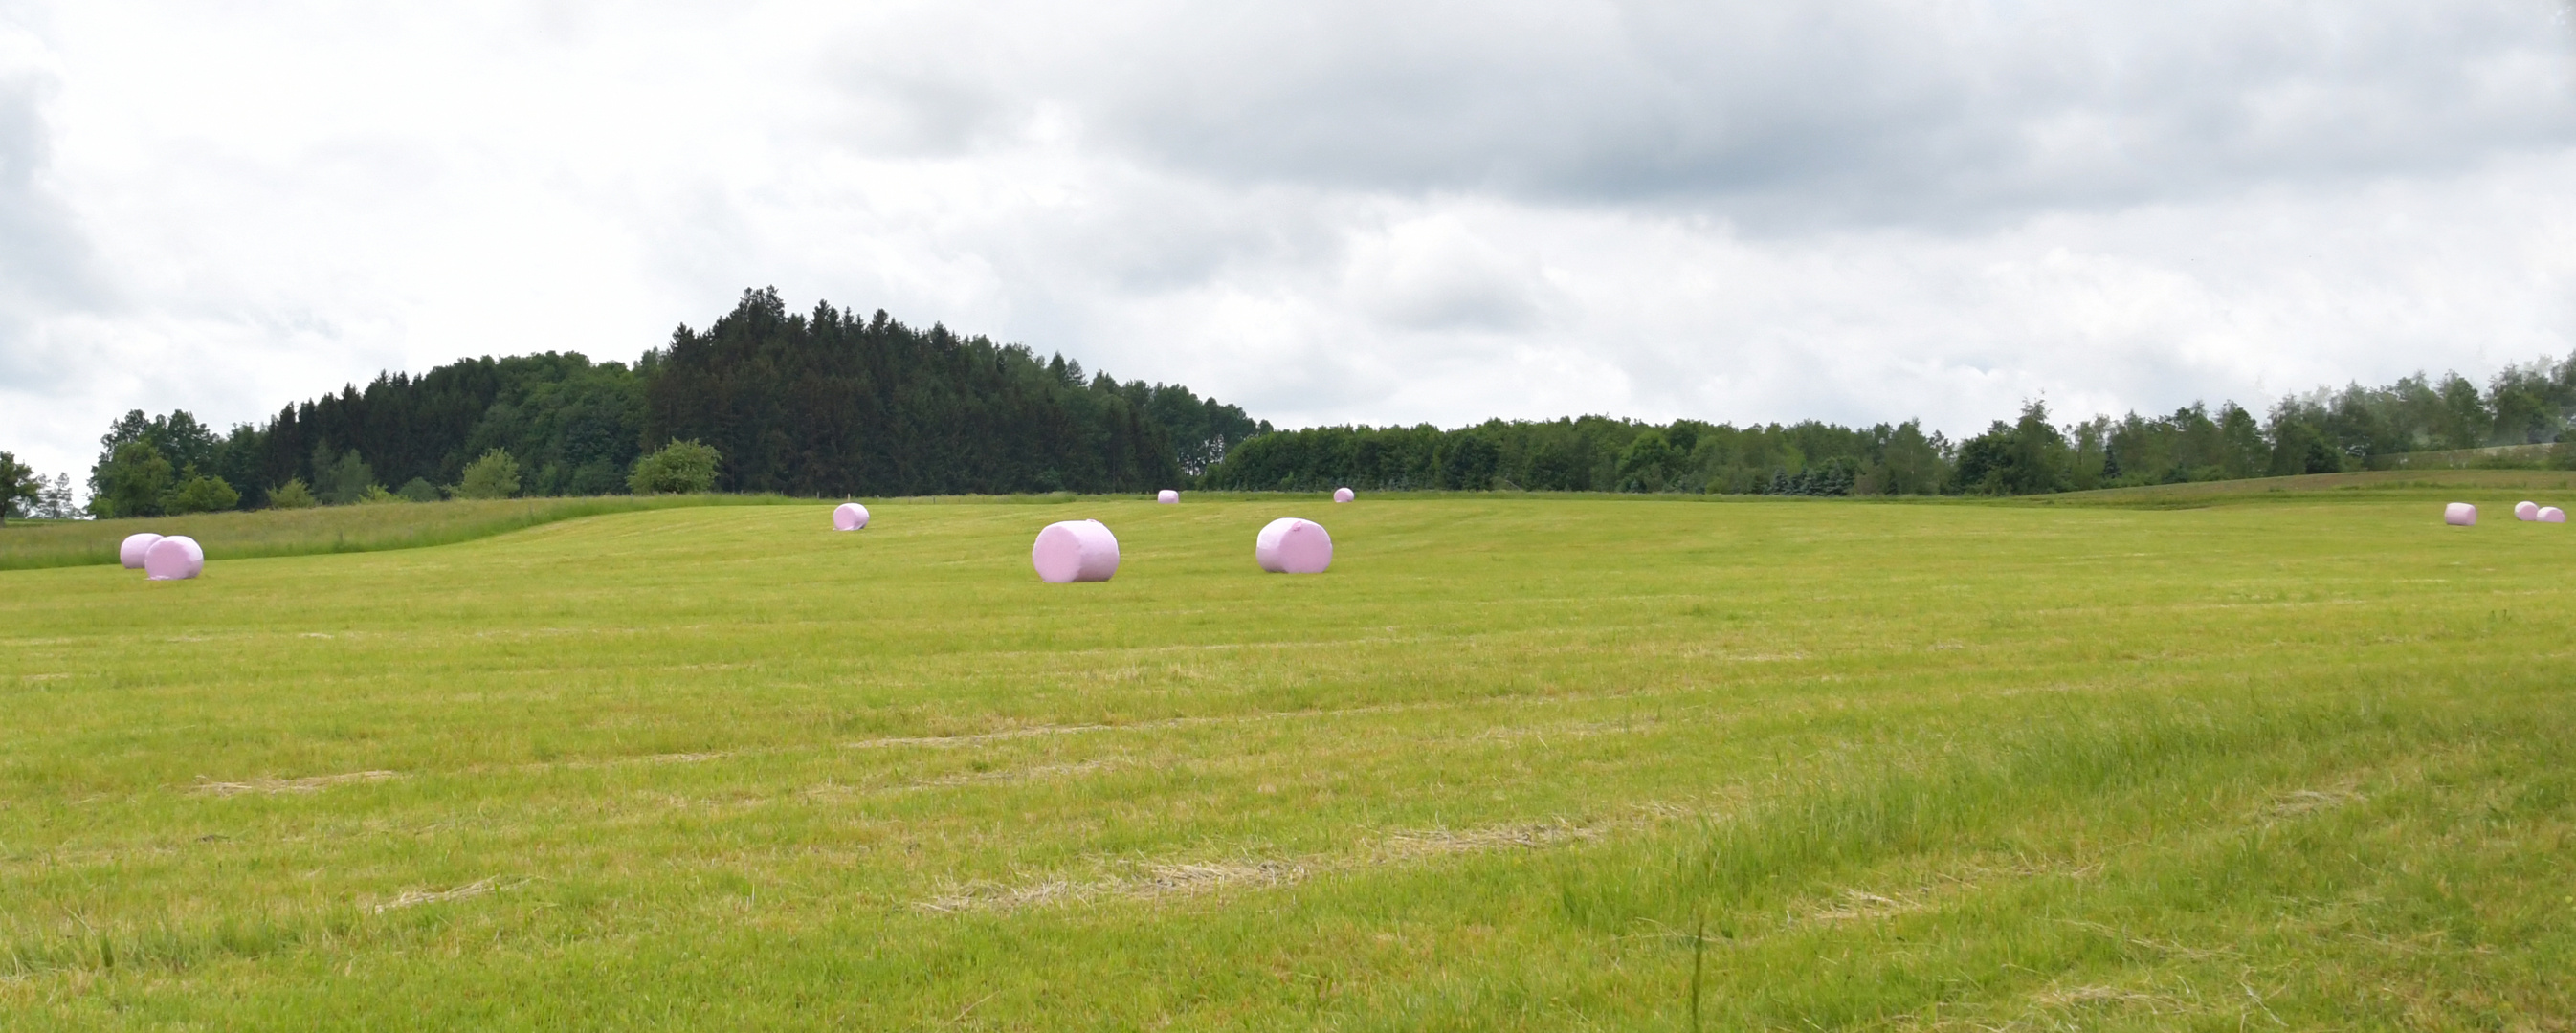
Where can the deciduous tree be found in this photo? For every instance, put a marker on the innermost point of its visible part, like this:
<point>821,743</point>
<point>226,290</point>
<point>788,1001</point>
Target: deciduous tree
<point>131,481</point>
<point>20,488</point>
<point>681,467</point>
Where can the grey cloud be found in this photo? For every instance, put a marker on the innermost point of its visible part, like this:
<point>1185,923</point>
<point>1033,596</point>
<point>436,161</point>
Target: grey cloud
<point>46,266</point>
<point>894,112</point>
<point>1438,275</point>
<point>1143,236</point>
<point>1882,111</point>
<point>1327,211</point>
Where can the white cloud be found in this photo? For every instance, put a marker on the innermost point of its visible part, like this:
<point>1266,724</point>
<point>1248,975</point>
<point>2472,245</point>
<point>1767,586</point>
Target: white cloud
<point>1323,211</point>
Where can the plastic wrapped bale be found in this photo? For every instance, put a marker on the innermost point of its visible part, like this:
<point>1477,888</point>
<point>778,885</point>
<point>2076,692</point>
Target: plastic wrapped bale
<point>2526,510</point>
<point>1342,495</point>
<point>1293,546</point>
<point>849,516</point>
<point>131,553</point>
<point>2460,514</point>
<point>2552,515</point>
<point>176,558</point>
<point>1168,497</point>
<point>1075,550</point>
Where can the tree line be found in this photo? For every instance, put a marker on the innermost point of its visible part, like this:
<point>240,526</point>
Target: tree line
<point>827,403</point>
<point>2324,431</point>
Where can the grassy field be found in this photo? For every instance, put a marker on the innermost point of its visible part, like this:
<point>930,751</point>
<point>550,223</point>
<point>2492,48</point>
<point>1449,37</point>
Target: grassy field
<point>2304,761</point>
<point>26,545</point>
<point>2495,491</point>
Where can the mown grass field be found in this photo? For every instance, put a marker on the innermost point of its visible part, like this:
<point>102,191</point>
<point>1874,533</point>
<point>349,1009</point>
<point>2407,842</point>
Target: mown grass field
<point>1514,763</point>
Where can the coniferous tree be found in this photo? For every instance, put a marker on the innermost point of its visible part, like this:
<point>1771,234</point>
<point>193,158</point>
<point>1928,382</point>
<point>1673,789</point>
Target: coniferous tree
<point>828,403</point>
<point>57,501</point>
<point>344,480</point>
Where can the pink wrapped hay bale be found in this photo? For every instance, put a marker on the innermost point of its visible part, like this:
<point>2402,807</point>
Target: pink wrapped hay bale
<point>176,558</point>
<point>2552,515</point>
<point>2526,510</point>
<point>1293,546</point>
<point>2460,514</point>
<point>131,553</point>
<point>1075,550</point>
<point>1342,495</point>
<point>1168,497</point>
<point>849,516</point>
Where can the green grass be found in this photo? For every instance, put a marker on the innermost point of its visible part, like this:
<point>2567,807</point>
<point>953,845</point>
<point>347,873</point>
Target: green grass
<point>26,545</point>
<point>2306,761</point>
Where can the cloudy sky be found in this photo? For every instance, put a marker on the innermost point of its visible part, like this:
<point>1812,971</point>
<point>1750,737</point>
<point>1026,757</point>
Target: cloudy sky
<point>1324,211</point>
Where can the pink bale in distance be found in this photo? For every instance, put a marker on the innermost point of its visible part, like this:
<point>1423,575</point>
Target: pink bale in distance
<point>131,553</point>
<point>176,558</point>
<point>1075,550</point>
<point>1167,497</point>
<point>1342,495</point>
<point>2526,510</point>
<point>2552,515</point>
<point>849,516</point>
<point>2460,514</point>
<point>1293,546</point>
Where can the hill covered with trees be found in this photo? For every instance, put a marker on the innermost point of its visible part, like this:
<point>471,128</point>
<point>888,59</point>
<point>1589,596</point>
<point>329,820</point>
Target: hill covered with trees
<point>825,403</point>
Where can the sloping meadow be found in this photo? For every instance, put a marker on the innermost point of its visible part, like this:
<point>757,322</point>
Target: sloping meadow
<point>328,529</point>
<point>1511,763</point>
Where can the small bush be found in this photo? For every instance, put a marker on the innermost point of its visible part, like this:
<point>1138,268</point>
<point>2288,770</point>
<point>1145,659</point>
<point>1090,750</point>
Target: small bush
<point>292,495</point>
<point>681,468</point>
<point>376,495</point>
<point>200,494</point>
<point>418,490</point>
<point>495,476</point>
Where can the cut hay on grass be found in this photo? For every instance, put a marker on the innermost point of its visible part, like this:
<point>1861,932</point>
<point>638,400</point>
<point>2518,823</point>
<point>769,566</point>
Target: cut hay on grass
<point>310,784</point>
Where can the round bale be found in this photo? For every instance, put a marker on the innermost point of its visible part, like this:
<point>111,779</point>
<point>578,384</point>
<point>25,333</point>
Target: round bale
<point>1167,497</point>
<point>1342,495</point>
<point>2526,510</point>
<point>1292,546</point>
<point>175,558</point>
<point>131,553</point>
<point>2552,515</point>
<point>2460,514</point>
<point>849,516</point>
<point>1075,550</point>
